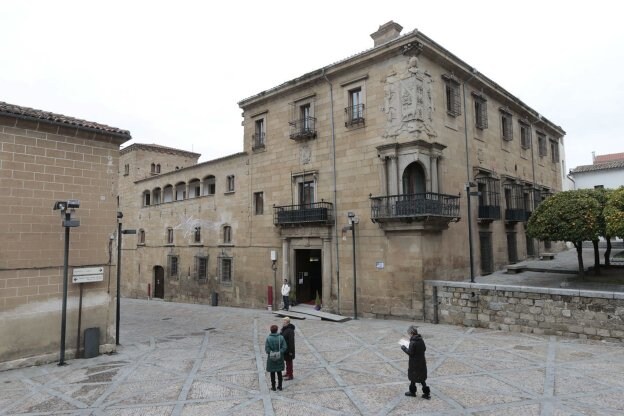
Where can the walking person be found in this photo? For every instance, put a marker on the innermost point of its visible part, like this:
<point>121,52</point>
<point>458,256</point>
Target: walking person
<point>417,368</point>
<point>285,294</point>
<point>275,346</point>
<point>288,332</point>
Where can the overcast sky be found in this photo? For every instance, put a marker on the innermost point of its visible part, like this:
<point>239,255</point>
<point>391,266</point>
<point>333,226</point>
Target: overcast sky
<point>172,72</point>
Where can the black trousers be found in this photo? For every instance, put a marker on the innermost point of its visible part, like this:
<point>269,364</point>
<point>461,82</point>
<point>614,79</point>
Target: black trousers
<point>279,378</point>
<point>286,302</point>
<point>412,387</point>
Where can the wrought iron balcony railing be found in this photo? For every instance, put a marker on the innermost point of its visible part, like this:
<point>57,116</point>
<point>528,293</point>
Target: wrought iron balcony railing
<point>315,213</point>
<point>489,212</point>
<point>354,115</point>
<point>303,128</point>
<point>410,206</point>
<point>515,215</point>
<point>258,141</point>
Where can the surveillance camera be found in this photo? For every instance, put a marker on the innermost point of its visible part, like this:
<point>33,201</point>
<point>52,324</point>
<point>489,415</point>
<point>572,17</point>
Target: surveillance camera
<point>73,203</point>
<point>69,204</point>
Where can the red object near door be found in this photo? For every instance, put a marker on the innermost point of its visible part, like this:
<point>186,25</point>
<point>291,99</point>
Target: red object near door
<point>270,295</point>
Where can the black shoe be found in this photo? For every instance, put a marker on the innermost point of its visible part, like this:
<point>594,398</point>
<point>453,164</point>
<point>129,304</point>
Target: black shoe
<point>273,388</point>
<point>410,394</point>
<point>426,391</point>
<point>279,388</point>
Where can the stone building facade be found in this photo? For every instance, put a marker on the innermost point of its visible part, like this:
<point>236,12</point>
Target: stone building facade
<point>47,158</point>
<point>354,177</point>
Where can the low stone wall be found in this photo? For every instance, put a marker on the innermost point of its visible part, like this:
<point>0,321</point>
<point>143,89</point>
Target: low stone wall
<point>539,310</point>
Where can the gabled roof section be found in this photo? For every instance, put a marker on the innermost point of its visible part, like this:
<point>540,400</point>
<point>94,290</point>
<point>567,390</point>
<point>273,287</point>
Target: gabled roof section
<point>59,119</point>
<point>616,164</point>
<point>159,149</point>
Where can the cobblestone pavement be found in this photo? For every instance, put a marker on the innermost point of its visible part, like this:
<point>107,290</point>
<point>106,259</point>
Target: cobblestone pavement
<point>185,359</point>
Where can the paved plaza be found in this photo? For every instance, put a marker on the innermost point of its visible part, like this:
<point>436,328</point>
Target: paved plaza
<point>187,359</point>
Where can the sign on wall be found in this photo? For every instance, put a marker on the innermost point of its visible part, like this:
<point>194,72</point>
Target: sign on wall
<point>88,274</point>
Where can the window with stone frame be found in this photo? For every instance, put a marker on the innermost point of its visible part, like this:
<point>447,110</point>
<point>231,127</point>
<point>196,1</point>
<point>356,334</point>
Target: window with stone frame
<point>259,133</point>
<point>225,269</point>
<point>209,185</point>
<point>197,234</point>
<point>227,234</point>
<point>169,235</point>
<point>201,267</point>
<point>258,203</point>
<point>126,169</point>
<point>452,94</point>
<point>173,265</point>
<point>230,183</point>
<point>480,107</point>
<point>541,143</point>
<point>141,238</point>
<point>525,135</point>
<point>506,124</point>
<point>554,151</point>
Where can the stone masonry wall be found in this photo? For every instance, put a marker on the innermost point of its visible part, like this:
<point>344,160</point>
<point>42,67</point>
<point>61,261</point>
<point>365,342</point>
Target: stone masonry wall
<point>546,311</point>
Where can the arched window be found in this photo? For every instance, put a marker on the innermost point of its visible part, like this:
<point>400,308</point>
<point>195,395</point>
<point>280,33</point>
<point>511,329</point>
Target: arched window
<point>194,188</point>
<point>153,168</point>
<point>141,236</point>
<point>414,179</point>
<point>156,196</point>
<point>180,191</point>
<point>227,234</point>
<point>168,193</point>
<point>158,168</point>
<point>209,185</point>
<point>146,198</point>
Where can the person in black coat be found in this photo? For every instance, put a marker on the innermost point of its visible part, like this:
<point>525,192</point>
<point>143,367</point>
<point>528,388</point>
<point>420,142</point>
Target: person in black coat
<point>417,368</point>
<point>288,332</point>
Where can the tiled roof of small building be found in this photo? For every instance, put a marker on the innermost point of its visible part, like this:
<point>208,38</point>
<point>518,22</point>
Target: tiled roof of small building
<point>160,149</point>
<point>34,114</point>
<point>609,158</point>
<point>616,164</point>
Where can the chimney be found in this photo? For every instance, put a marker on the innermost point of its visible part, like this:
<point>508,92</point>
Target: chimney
<point>386,33</point>
<point>593,157</point>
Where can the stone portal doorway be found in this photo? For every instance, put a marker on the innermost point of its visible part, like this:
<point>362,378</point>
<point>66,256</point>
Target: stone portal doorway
<point>159,282</point>
<point>308,275</point>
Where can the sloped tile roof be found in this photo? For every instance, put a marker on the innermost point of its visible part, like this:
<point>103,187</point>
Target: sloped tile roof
<point>617,164</point>
<point>59,119</point>
<point>609,158</point>
<point>160,149</point>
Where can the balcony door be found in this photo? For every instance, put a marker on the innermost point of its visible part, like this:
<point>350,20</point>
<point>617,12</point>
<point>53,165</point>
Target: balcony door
<point>414,179</point>
<point>306,193</point>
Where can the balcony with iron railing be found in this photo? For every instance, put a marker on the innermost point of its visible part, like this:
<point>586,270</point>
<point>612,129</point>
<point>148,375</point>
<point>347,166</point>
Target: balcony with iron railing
<point>354,115</point>
<point>489,212</point>
<point>515,215</point>
<point>304,214</point>
<point>257,141</point>
<point>432,208</point>
<point>303,128</point>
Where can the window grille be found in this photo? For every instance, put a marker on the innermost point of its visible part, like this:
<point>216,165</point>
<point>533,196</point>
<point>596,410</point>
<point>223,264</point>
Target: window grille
<point>453,98</point>
<point>480,105</point>
<point>541,142</point>
<point>525,136</point>
<point>506,126</point>
<point>225,269</point>
<point>173,266</point>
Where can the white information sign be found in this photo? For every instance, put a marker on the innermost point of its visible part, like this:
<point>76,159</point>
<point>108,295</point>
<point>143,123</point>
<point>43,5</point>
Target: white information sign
<point>88,274</point>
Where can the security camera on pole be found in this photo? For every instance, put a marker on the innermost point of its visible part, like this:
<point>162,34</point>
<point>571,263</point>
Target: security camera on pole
<point>67,208</point>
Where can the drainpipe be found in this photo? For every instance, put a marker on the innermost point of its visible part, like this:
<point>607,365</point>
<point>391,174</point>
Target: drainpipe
<point>474,72</point>
<point>333,135</point>
<point>539,118</point>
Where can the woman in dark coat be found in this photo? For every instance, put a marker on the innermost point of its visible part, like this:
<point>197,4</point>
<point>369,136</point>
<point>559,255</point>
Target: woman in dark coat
<point>275,343</point>
<point>288,331</point>
<point>417,369</point>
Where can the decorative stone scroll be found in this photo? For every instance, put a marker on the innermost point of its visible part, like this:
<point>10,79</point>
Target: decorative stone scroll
<point>408,103</point>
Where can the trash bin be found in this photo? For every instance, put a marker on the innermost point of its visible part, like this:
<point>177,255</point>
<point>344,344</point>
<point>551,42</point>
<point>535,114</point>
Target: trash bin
<point>215,299</point>
<point>91,342</point>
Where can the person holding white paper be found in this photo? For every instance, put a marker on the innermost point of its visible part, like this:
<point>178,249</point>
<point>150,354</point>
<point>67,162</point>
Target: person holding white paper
<point>417,368</point>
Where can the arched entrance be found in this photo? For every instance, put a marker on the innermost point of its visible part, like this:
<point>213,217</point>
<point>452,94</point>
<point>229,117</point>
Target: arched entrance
<point>414,179</point>
<point>159,282</point>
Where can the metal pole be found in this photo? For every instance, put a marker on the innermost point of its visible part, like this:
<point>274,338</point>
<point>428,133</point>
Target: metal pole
<point>79,323</point>
<point>468,184</point>
<point>118,280</point>
<point>354,272</point>
<point>64,310</point>
<point>275,303</point>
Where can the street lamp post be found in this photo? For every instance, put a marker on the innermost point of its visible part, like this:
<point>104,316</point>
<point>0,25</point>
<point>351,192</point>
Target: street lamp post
<point>119,239</point>
<point>66,208</point>
<point>353,220</point>
<point>469,184</point>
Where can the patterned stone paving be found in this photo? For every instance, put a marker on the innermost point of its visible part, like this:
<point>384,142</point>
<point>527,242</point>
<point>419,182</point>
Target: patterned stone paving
<point>184,360</point>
